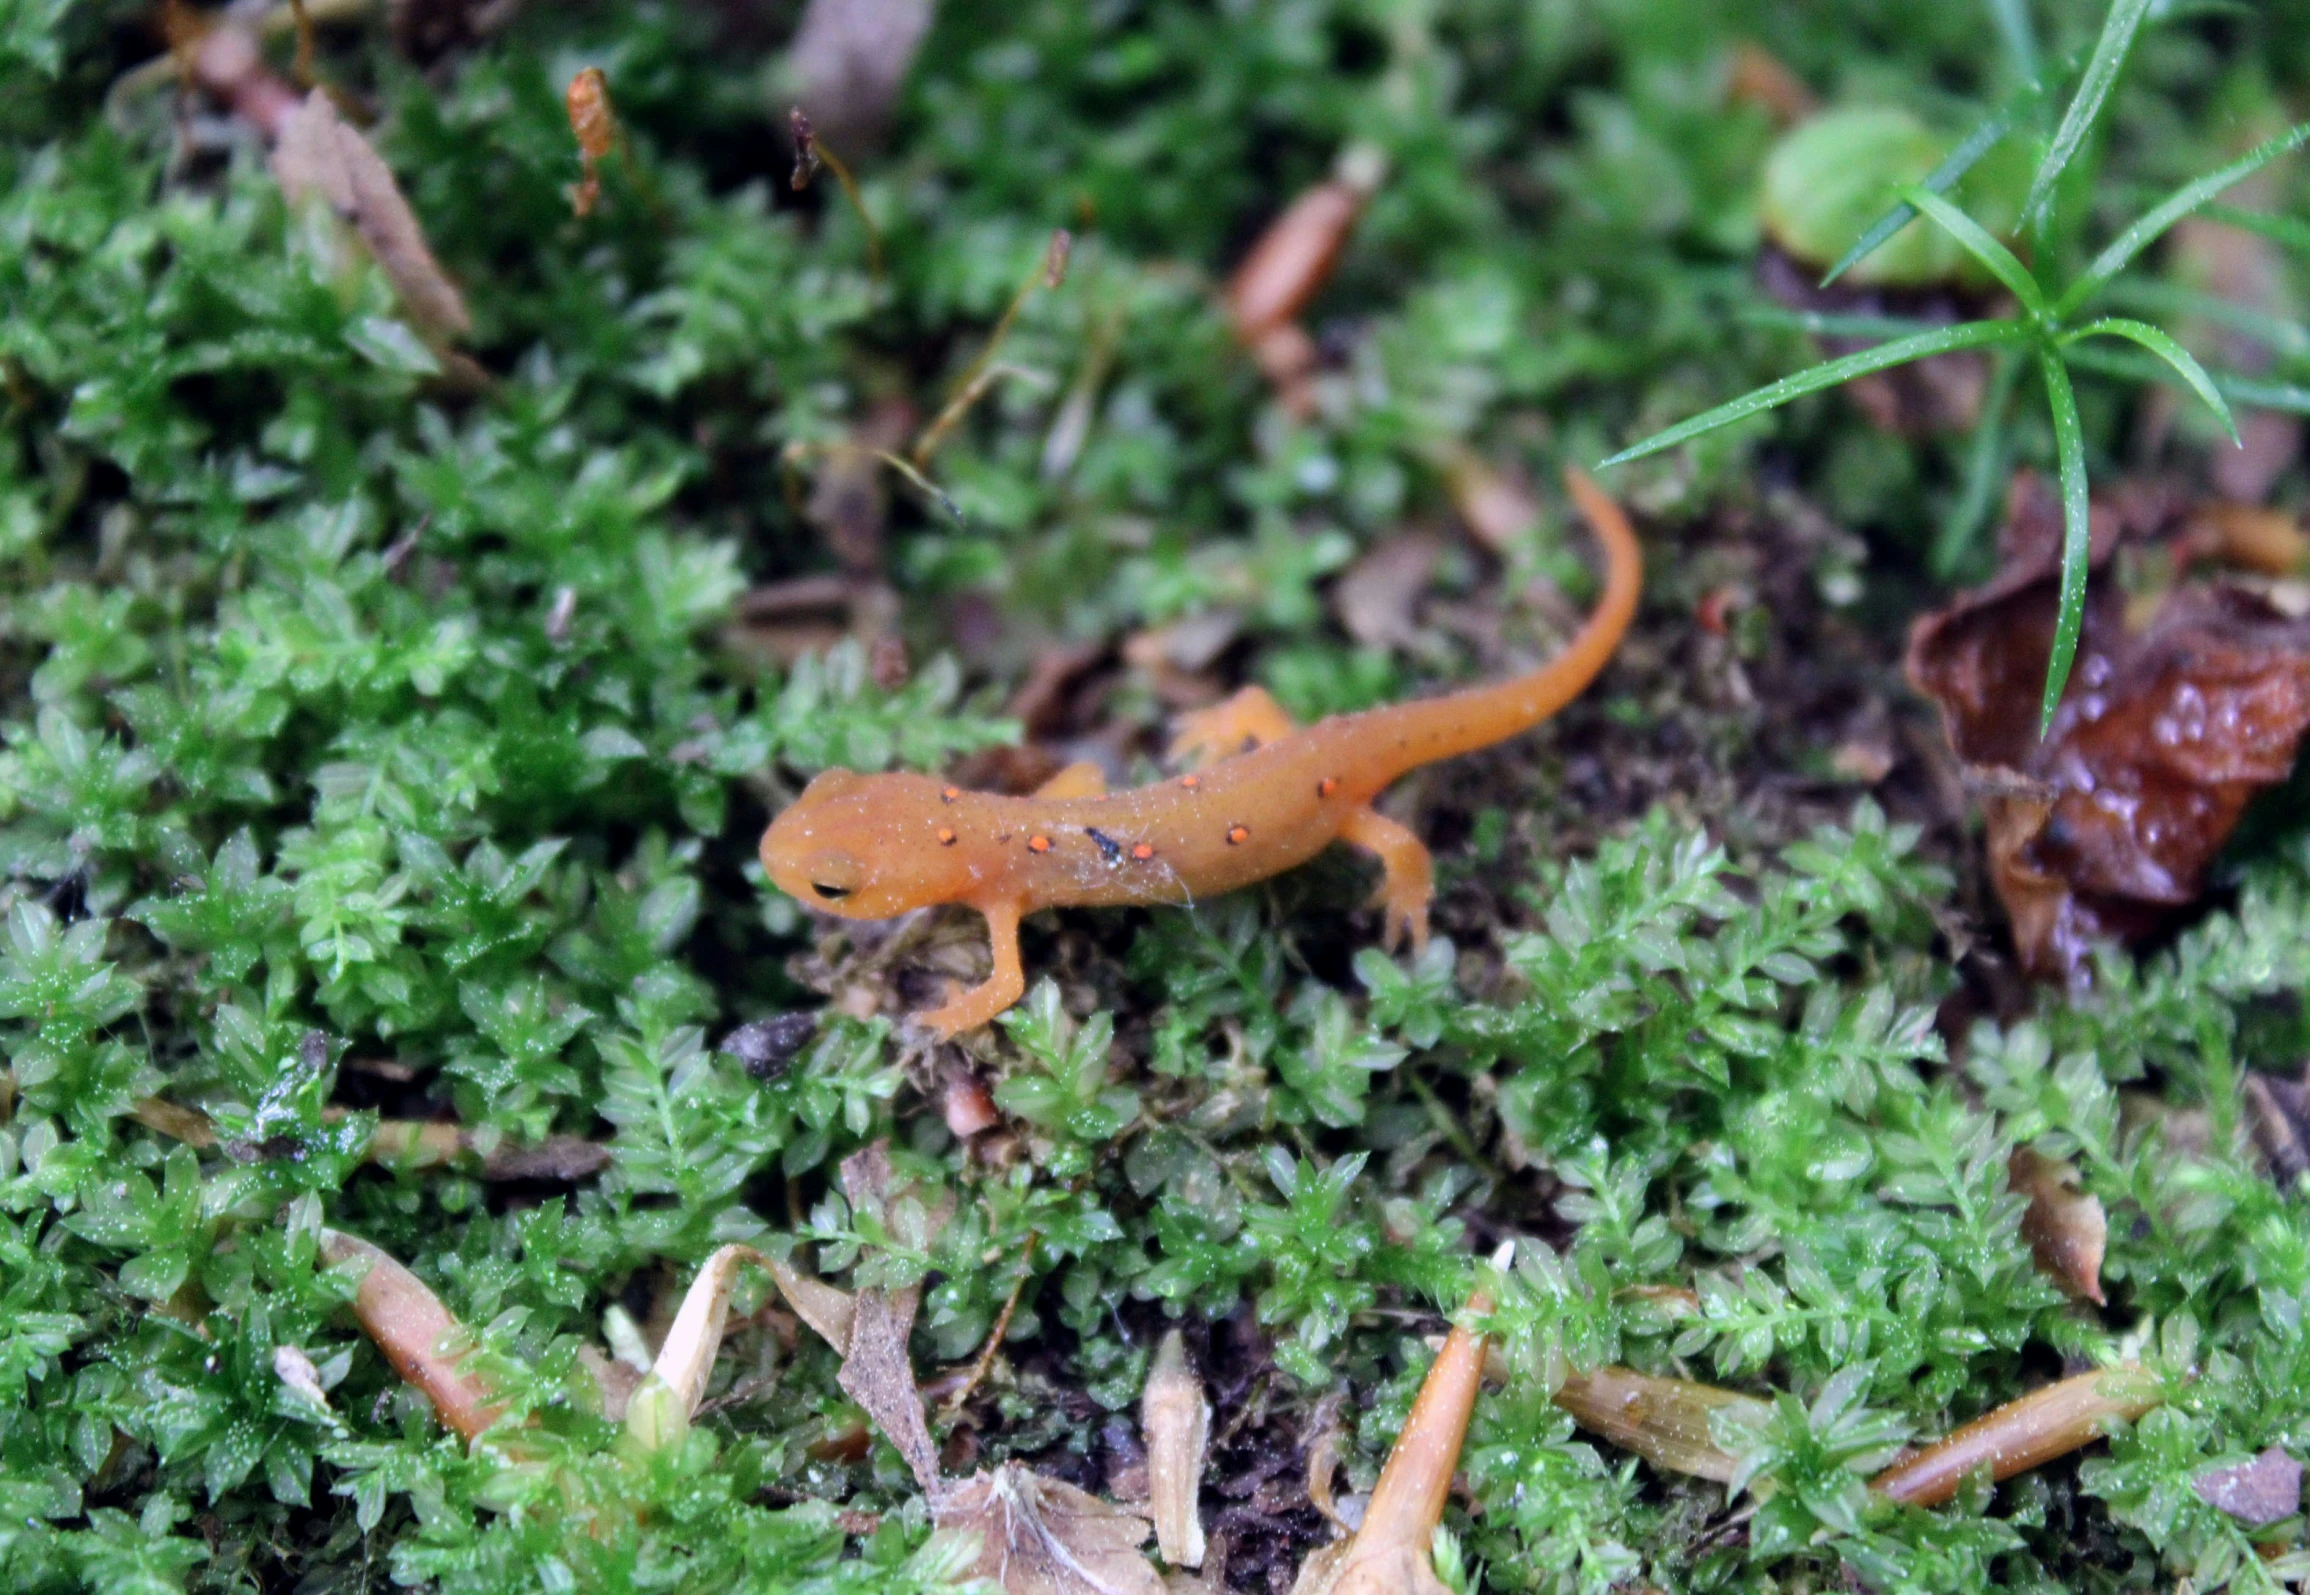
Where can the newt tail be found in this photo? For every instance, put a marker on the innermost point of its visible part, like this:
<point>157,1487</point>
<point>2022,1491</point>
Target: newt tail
<point>1260,796</point>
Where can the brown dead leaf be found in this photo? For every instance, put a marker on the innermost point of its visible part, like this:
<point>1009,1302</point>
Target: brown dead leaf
<point>1294,257</point>
<point>878,1375</point>
<point>1376,596</point>
<point>1041,1536</point>
<point>1175,1420</point>
<point>1288,266</point>
<point>2066,1229</point>
<point>2173,719</point>
<point>2257,1492</point>
<point>319,157</point>
<point>2249,537</point>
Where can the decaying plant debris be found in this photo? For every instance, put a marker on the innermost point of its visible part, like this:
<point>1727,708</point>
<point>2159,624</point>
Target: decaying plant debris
<point>428,1157</point>
<point>2185,704</point>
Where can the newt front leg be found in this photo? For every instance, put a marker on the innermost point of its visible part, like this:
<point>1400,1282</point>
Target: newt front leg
<point>967,1010</point>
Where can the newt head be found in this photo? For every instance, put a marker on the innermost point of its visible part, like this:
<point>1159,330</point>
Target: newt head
<point>862,846</point>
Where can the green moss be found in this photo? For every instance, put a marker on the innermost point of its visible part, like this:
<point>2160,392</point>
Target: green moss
<point>384,740</point>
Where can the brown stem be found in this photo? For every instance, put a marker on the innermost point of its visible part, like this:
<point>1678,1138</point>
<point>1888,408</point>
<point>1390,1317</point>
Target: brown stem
<point>2023,1434</point>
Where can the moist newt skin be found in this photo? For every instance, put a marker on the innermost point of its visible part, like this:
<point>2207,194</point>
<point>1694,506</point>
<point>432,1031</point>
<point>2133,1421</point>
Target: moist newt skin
<point>873,846</point>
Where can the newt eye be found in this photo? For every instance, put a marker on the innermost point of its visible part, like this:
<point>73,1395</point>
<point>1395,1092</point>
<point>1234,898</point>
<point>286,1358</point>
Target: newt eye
<point>833,875</point>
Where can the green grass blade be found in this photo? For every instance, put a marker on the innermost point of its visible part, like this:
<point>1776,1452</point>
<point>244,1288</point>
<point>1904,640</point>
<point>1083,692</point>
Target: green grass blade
<point>2109,54</point>
<point>2165,348</point>
<point>2152,226</point>
<point>2291,397</point>
<point>2001,262</point>
<point>1942,178</point>
<point>2020,34</point>
<point>2151,297</point>
<point>1984,467</point>
<point>1965,335</point>
<point>1830,323</point>
<point>2286,231</point>
<point>2069,446</point>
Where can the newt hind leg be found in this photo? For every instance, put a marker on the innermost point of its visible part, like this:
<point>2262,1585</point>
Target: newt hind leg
<point>1249,719</point>
<point>1408,875</point>
<point>967,1010</point>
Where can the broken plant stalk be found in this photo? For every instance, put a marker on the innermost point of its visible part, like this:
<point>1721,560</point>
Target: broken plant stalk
<point>1390,1554</point>
<point>2024,1434</point>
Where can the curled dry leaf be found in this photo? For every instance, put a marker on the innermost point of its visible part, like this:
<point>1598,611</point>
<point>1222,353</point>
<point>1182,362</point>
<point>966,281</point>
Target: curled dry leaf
<point>877,1374</point>
<point>2066,1229</point>
<point>2261,1491</point>
<point>418,1335</point>
<point>2172,721</point>
<point>1175,1421</point>
<point>1664,1421</point>
<point>320,158</point>
<point>661,1408</point>
<point>2024,1434</point>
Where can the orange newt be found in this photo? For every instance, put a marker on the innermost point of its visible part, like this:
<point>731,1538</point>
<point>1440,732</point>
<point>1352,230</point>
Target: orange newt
<point>873,846</point>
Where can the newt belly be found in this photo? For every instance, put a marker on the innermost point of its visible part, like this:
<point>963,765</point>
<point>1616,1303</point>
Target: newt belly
<point>872,846</point>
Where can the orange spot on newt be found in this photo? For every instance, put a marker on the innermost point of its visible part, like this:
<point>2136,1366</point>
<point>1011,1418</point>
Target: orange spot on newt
<point>946,836</point>
<point>851,845</point>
